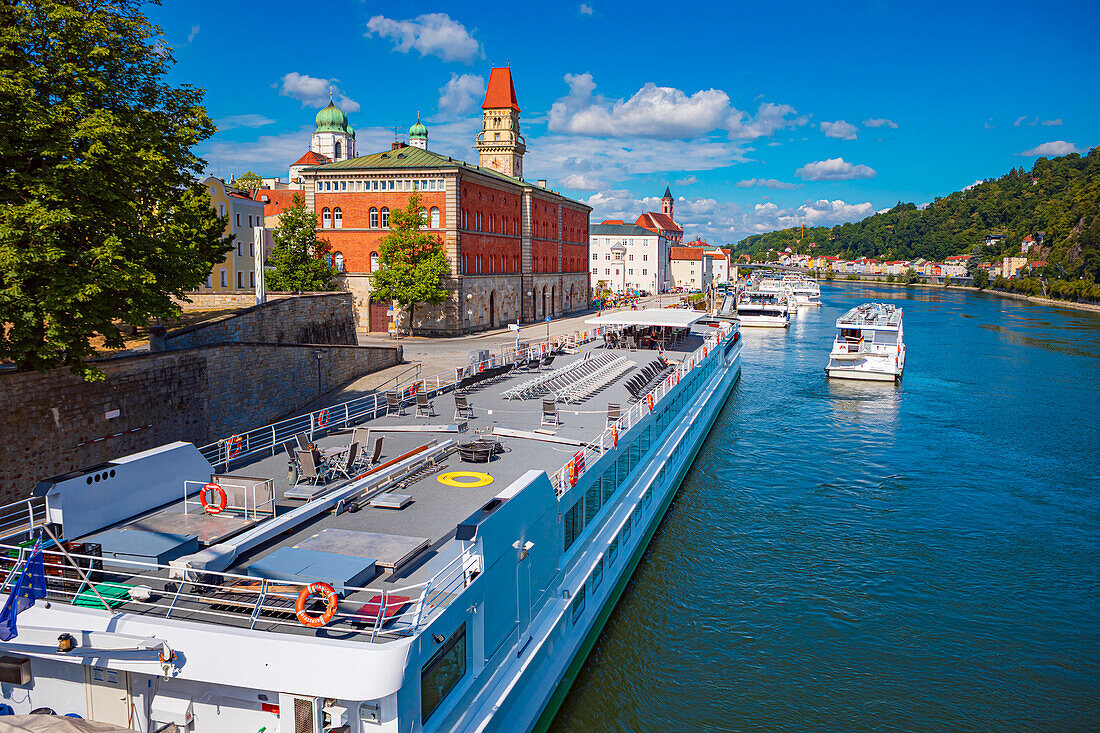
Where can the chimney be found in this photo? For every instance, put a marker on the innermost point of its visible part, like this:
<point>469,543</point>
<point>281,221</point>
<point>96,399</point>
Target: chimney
<point>542,183</point>
<point>398,145</point>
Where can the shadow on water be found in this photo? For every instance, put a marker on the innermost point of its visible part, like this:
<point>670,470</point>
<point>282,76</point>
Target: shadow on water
<point>857,556</point>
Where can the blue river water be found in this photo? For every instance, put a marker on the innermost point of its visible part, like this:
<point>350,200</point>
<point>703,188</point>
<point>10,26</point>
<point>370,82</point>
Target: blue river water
<point>852,556</point>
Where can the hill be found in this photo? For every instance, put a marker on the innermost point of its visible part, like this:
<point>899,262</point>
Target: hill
<point>1059,197</point>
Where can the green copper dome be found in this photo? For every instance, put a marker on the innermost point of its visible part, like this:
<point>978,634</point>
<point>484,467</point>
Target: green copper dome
<point>418,131</point>
<point>331,119</point>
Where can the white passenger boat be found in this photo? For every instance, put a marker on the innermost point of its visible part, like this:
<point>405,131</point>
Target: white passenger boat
<point>868,344</point>
<point>430,583</point>
<point>764,310</point>
<point>803,290</point>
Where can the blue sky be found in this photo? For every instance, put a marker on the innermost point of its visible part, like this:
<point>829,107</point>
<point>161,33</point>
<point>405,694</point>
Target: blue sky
<point>758,116</point>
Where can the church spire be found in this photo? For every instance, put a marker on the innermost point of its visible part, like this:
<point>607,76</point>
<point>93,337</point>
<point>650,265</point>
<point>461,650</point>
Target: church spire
<point>666,202</point>
<point>500,145</point>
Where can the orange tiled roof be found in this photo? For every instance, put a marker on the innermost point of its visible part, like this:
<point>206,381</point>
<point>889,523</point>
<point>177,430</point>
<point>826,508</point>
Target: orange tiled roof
<point>500,93</point>
<point>686,253</point>
<point>655,222</point>
<point>275,201</point>
<point>312,158</point>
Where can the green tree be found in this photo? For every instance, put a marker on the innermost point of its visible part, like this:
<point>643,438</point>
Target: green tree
<point>301,261</point>
<point>250,182</point>
<point>911,277</point>
<point>981,278</point>
<point>890,278</point>
<point>412,263</point>
<point>101,224</point>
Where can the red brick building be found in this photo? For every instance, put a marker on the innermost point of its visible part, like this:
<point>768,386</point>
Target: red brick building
<point>518,251</point>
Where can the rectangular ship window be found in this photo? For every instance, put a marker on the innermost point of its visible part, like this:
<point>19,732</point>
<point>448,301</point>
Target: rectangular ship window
<point>597,575</point>
<point>592,502</point>
<point>442,672</point>
<point>574,523</point>
<point>578,604</point>
<point>612,551</point>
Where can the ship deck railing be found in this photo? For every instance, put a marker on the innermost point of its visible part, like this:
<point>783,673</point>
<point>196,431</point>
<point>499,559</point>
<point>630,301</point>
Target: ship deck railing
<point>568,475</point>
<point>235,600</point>
<point>270,439</point>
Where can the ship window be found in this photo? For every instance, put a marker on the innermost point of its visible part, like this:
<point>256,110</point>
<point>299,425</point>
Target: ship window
<point>592,502</point>
<point>574,523</point>
<point>607,484</point>
<point>578,604</point>
<point>597,575</point>
<point>612,551</point>
<point>442,672</point>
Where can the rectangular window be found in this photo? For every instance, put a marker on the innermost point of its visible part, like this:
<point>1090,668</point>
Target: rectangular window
<point>252,279</point>
<point>597,575</point>
<point>343,185</point>
<point>252,249</point>
<point>612,551</point>
<point>442,672</point>
<point>250,221</point>
<point>592,502</point>
<point>238,219</point>
<point>225,279</point>
<point>578,604</point>
<point>240,279</point>
<point>392,184</point>
<point>574,523</point>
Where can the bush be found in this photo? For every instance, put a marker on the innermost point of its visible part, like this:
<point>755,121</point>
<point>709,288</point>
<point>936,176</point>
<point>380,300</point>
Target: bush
<point>830,275</point>
<point>890,278</point>
<point>853,276</point>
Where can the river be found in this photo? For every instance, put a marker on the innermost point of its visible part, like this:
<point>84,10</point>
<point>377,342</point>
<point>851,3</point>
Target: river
<point>851,556</point>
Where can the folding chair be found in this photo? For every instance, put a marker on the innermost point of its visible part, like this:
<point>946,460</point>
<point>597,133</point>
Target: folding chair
<point>310,468</point>
<point>345,466</point>
<point>303,441</point>
<point>614,412</point>
<point>463,408</point>
<point>424,406</point>
<point>550,413</point>
<point>393,404</point>
<point>376,455</point>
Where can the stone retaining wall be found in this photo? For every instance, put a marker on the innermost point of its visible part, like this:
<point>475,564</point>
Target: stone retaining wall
<point>54,423</point>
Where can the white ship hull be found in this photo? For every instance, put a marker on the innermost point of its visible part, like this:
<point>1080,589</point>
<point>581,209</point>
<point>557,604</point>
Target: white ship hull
<point>870,371</point>
<point>764,321</point>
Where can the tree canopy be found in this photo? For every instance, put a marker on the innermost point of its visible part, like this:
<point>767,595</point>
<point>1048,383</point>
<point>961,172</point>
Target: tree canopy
<point>412,263</point>
<point>248,182</point>
<point>1059,197</point>
<point>101,221</point>
<point>301,260</point>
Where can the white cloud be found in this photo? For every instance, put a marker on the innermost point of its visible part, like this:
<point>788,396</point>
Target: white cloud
<point>312,91</point>
<point>583,182</point>
<point>1052,123</point>
<point>1026,120</point>
<point>833,169</point>
<point>461,94</point>
<point>586,9</point>
<point>689,181</point>
<point>661,112</point>
<point>839,129</point>
<point>972,185</point>
<point>234,121</point>
<point>880,122</point>
<point>1057,147</point>
<point>766,183</point>
<point>433,34</point>
<point>768,216</point>
<point>194,32</point>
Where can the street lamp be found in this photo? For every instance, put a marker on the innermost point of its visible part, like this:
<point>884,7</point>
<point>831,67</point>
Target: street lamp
<point>469,311</point>
<point>319,354</point>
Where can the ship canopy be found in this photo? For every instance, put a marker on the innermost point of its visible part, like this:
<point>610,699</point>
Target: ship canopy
<point>668,317</point>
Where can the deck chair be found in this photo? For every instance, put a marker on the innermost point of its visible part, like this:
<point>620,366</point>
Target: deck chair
<point>345,465</point>
<point>310,470</point>
<point>376,454</point>
<point>550,413</point>
<point>303,441</point>
<point>614,412</point>
<point>547,361</point>
<point>463,408</point>
<point>424,406</point>
<point>393,404</point>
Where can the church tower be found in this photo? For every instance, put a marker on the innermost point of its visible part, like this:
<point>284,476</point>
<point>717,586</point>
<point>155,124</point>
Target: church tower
<point>333,138</point>
<point>666,203</point>
<point>500,144</point>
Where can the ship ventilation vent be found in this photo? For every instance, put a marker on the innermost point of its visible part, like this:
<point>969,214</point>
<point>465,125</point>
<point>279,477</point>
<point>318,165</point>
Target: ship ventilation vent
<point>303,715</point>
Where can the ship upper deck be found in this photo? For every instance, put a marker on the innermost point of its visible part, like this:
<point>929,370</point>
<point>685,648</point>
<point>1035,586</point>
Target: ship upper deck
<point>871,316</point>
<point>380,532</point>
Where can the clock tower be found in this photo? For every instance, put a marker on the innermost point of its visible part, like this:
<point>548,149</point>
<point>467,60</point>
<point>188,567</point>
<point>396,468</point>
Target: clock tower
<point>500,144</point>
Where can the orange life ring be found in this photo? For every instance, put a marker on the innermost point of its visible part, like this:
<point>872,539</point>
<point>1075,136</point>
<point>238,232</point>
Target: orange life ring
<point>572,474</point>
<point>305,618</point>
<point>233,446</point>
<point>615,435</point>
<point>209,508</point>
<point>322,418</point>
<point>649,399</point>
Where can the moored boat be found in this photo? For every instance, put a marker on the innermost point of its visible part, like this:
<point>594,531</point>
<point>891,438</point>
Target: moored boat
<point>869,344</point>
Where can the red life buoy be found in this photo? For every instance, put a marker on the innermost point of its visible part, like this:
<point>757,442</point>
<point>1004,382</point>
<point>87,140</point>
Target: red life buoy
<point>322,419</point>
<point>615,435</point>
<point>233,446</point>
<point>649,399</point>
<point>209,508</point>
<point>572,474</point>
<point>305,618</point>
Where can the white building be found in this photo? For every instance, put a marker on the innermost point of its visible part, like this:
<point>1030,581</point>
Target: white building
<point>691,268</point>
<point>644,263</point>
<point>719,265</point>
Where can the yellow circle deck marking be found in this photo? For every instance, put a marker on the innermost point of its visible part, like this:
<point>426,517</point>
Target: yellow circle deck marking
<point>453,478</point>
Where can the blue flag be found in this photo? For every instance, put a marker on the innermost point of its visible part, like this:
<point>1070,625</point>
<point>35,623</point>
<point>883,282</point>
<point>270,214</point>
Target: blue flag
<point>30,586</point>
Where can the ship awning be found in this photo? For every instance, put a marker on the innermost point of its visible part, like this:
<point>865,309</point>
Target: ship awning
<point>668,317</point>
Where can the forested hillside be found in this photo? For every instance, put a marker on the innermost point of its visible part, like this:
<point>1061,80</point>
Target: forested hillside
<point>1059,196</point>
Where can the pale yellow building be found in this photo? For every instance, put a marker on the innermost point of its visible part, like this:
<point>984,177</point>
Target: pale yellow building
<point>238,271</point>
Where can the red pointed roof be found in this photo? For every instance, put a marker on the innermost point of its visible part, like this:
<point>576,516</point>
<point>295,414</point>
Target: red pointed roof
<point>655,222</point>
<point>312,158</point>
<point>275,201</point>
<point>500,93</point>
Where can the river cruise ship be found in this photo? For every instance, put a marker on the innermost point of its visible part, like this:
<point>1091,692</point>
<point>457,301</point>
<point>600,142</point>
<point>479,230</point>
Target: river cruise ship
<point>764,310</point>
<point>444,559</point>
<point>803,290</point>
<point>868,344</point>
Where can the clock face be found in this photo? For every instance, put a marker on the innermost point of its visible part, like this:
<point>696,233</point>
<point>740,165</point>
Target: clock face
<point>496,162</point>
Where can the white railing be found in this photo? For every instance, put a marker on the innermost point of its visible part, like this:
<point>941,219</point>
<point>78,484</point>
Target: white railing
<point>270,439</point>
<point>584,458</point>
<point>232,599</point>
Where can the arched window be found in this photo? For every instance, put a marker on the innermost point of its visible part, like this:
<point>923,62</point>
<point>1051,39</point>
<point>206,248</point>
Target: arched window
<point>433,222</point>
<point>385,218</point>
<point>373,218</point>
<point>326,218</point>
<point>424,215</point>
<point>337,150</point>
<point>338,218</point>
<point>374,262</point>
<point>338,260</point>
